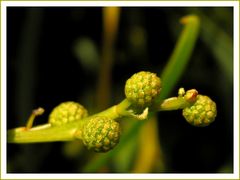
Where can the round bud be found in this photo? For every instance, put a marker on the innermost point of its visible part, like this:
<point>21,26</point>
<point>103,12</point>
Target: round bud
<point>202,112</point>
<point>142,88</point>
<point>67,112</point>
<point>101,133</point>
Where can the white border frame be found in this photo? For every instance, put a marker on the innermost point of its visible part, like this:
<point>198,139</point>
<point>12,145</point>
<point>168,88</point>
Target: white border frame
<point>234,4</point>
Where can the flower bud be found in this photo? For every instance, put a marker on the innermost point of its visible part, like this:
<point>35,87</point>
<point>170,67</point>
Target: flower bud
<point>202,112</point>
<point>101,133</point>
<point>142,88</point>
<point>67,112</point>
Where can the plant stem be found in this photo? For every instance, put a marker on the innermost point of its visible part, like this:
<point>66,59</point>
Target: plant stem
<point>110,26</point>
<point>48,133</point>
<point>68,132</point>
<point>180,56</point>
<point>116,111</point>
<point>173,103</point>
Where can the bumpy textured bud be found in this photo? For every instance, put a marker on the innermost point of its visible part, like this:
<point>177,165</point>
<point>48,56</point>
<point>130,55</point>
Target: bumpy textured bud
<point>101,133</point>
<point>202,112</point>
<point>67,112</point>
<point>142,88</point>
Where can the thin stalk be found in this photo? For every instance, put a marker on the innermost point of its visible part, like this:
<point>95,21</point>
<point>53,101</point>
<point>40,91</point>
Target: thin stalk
<point>35,113</point>
<point>180,56</point>
<point>110,26</point>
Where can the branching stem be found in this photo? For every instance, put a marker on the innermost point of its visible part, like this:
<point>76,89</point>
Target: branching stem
<point>48,133</point>
<point>69,132</point>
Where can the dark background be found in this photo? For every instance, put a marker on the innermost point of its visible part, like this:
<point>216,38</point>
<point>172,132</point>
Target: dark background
<point>43,69</point>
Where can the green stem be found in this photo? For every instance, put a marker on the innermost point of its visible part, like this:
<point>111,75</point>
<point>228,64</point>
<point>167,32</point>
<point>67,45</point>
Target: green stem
<point>43,133</point>
<point>71,131</point>
<point>68,132</point>
<point>116,111</point>
<point>184,99</point>
<point>48,133</point>
<point>173,103</point>
<point>180,56</point>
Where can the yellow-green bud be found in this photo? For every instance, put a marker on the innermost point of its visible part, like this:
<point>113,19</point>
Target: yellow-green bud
<point>202,112</point>
<point>67,112</point>
<point>101,133</point>
<point>142,88</point>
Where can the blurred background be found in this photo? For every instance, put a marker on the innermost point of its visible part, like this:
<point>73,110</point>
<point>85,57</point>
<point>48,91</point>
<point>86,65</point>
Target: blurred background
<point>57,54</point>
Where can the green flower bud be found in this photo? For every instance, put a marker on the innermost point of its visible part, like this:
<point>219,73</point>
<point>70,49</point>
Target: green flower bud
<point>202,112</point>
<point>142,88</point>
<point>67,112</point>
<point>101,133</point>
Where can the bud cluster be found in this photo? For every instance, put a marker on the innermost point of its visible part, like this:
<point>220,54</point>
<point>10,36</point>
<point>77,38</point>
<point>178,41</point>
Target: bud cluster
<point>202,112</point>
<point>67,112</point>
<point>142,88</point>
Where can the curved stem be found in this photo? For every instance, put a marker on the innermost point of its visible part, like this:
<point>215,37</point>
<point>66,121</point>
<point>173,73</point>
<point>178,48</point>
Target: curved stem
<point>35,113</point>
<point>180,56</point>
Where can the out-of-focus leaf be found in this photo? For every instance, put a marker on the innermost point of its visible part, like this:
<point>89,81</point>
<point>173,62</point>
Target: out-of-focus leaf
<point>128,152</point>
<point>220,44</point>
<point>111,16</point>
<point>149,149</point>
<point>180,56</point>
<point>170,76</point>
<point>86,52</point>
<point>72,149</point>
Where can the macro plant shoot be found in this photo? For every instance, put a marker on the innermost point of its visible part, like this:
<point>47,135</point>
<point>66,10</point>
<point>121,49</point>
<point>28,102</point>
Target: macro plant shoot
<point>119,89</point>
